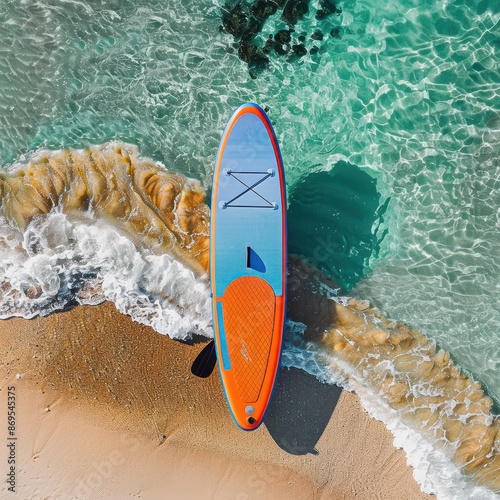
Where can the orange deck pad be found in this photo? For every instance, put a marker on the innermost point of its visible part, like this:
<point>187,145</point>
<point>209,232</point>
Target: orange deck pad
<point>253,320</point>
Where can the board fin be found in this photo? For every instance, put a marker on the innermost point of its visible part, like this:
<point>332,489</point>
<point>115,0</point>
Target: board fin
<point>254,261</point>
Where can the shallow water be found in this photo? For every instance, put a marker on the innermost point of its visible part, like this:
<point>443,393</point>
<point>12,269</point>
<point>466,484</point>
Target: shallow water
<point>408,95</point>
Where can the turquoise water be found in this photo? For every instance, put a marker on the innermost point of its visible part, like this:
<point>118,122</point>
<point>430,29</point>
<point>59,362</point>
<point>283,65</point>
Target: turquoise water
<point>337,222</point>
<point>406,92</point>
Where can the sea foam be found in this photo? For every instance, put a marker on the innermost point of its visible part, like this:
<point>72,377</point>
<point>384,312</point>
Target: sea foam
<point>62,262</point>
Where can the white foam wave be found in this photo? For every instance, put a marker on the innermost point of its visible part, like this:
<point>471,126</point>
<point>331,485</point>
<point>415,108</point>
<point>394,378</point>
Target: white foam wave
<point>60,261</point>
<point>432,469</point>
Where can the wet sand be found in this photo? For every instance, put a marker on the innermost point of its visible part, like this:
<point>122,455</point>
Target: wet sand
<point>107,408</point>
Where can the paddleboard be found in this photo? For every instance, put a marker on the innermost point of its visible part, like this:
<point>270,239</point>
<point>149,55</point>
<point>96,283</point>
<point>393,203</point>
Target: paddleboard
<point>248,257</point>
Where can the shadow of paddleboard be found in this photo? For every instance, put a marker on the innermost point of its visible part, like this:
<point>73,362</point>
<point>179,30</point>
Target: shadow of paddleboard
<point>300,410</point>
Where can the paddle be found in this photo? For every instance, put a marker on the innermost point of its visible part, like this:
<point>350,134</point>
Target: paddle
<point>204,364</point>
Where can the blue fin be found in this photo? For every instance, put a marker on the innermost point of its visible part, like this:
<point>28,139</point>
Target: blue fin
<point>254,261</point>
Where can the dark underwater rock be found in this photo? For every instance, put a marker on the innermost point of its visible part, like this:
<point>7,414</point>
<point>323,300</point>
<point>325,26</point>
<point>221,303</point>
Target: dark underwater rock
<point>259,12</point>
<point>281,42</point>
<point>254,27</point>
<point>245,20</point>
<point>254,56</point>
<point>327,7</point>
<point>234,21</point>
<point>294,11</point>
<point>335,33</point>
<point>245,23</point>
<point>283,36</point>
<point>269,45</point>
<point>317,35</point>
<point>299,50</point>
<point>273,44</point>
<point>262,9</point>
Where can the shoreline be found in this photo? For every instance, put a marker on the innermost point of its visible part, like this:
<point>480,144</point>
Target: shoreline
<point>106,390</point>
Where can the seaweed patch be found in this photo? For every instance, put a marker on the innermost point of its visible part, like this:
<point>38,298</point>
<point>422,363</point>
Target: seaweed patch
<point>246,20</point>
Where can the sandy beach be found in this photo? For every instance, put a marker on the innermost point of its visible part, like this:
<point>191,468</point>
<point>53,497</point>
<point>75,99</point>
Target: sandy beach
<point>107,408</point>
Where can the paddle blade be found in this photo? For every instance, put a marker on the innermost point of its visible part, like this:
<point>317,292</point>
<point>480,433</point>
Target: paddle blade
<point>204,364</point>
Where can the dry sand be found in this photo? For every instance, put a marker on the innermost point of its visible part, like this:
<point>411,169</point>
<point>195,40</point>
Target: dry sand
<point>107,408</point>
